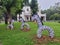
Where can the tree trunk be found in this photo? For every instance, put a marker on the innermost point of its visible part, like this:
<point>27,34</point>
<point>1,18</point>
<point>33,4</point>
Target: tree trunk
<point>6,17</point>
<point>6,21</point>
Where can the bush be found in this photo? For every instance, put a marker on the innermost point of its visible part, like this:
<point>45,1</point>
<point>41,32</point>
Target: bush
<point>58,21</point>
<point>56,16</point>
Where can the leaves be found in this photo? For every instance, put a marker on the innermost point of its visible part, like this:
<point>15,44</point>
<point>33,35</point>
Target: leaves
<point>11,5</point>
<point>56,16</point>
<point>34,6</point>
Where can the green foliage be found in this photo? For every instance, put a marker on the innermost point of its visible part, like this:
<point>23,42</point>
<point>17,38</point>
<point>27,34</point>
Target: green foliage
<point>26,2</point>
<point>56,16</point>
<point>34,6</point>
<point>59,21</point>
<point>0,12</point>
<point>51,12</point>
<point>7,4</point>
<point>11,6</point>
<point>0,16</point>
<point>17,7</point>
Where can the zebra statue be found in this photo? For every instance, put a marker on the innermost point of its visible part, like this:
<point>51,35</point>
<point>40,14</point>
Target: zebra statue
<point>11,24</point>
<point>42,27</point>
<point>24,24</point>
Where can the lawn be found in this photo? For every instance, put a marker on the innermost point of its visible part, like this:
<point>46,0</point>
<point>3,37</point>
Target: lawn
<point>18,37</point>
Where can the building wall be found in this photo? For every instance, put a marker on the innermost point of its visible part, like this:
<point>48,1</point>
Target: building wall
<point>26,14</point>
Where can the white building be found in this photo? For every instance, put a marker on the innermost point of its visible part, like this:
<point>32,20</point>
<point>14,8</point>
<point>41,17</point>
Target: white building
<point>39,12</point>
<point>26,14</point>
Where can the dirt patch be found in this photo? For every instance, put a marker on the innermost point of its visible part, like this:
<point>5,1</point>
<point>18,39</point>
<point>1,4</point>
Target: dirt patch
<point>44,40</point>
<point>25,29</point>
<point>0,42</point>
<point>36,44</point>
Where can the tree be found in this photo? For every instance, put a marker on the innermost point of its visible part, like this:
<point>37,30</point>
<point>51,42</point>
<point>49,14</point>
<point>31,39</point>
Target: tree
<point>34,6</point>
<point>49,12</point>
<point>11,6</point>
<point>52,10</point>
<point>0,7</point>
<point>26,2</point>
<point>7,4</point>
<point>17,8</point>
<point>56,16</point>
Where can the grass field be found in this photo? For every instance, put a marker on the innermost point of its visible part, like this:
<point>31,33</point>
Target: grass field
<point>18,37</point>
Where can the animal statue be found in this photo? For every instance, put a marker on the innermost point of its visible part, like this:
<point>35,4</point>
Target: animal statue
<point>42,27</point>
<point>24,24</point>
<point>10,24</point>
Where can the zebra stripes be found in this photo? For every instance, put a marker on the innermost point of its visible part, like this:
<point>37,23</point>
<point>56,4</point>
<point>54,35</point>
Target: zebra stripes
<point>24,24</point>
<point>42,27</point>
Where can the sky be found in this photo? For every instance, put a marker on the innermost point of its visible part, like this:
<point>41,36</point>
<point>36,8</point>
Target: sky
<point>45,4</point>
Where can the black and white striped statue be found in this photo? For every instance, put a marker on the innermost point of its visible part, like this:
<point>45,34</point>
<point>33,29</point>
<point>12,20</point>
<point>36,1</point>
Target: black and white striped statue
<point>42,27</point>
<point>24,24</point>
<point>10,24</point>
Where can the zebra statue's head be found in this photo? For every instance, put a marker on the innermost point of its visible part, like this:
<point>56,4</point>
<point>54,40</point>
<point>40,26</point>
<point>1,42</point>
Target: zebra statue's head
<point>35,17</point>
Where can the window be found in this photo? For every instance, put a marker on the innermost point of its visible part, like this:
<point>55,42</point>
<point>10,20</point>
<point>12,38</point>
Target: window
<point>27,9</point>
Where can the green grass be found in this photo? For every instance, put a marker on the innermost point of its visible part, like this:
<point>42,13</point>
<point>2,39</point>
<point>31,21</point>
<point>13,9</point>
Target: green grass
<point>18,37</point>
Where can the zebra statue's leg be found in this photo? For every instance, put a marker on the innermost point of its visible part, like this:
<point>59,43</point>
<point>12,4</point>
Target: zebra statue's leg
<point>10,27</point>
<point>39,32</point>
<point>28,27</point>
<point>25,24</point>
<point>50,30</point>
<point>22,26</point>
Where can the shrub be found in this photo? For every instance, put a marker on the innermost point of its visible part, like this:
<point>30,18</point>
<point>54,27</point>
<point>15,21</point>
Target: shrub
<point>58,21</point>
